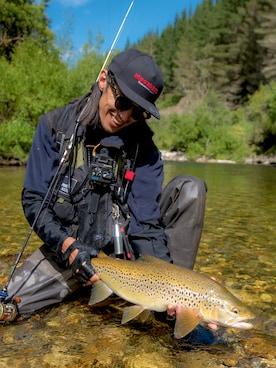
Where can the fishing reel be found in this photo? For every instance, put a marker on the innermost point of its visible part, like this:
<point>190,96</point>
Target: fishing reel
<point>8,307</point>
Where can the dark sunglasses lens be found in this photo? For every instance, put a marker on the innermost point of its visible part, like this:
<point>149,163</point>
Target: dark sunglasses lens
<point>140,114</point>
<point>123,103</point>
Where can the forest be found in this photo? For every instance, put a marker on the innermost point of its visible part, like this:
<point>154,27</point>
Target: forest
<point>218,63</point>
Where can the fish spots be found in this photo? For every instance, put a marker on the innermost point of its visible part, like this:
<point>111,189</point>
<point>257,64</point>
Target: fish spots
<point>155,284</point>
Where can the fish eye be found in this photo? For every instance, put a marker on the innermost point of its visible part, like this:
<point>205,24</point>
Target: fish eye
<point>235,310</point>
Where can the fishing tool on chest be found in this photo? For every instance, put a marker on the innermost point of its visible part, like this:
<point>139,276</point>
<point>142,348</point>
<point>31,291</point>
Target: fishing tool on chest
<point>111,173</point>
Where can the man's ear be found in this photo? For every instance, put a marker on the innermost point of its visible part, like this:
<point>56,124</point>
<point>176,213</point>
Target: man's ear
<point>102,80</point>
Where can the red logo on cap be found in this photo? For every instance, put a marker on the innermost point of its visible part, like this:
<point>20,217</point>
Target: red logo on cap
<point>146,83</point>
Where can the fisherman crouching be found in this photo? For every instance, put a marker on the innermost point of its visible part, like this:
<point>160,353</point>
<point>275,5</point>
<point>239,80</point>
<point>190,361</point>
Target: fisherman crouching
<point>94,182</point>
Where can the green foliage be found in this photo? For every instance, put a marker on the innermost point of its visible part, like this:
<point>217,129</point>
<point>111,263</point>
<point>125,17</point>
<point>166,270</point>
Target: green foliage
<point>209,130</point>
<point>22,20</point>
<point>170,99</point>
<point>165,56</point>
<point>35,81</point>
<point>147,44</point>
<point>15,139</point>
<point>85,73</point>
<point>267,38</point>
<point>260,113</point>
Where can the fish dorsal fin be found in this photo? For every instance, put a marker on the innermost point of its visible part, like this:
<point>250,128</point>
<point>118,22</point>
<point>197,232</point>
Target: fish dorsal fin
<point>134,311</point>
<point>99,292</point>
<point>186,321</point>
<point>101,254</point>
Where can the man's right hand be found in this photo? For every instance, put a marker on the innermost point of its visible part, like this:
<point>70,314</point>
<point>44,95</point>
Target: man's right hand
<point>78,257</point>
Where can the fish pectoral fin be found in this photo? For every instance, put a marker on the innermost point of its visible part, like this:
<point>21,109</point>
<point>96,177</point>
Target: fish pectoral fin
<point>144,315</point>
<point>100,291</point>
<point>186,321</point>
<point>134,311</point>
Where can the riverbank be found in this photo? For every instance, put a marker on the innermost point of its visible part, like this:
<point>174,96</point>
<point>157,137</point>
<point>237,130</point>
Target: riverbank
<point>252,160</point>
<point>173,156</point>
<point>10,161</point>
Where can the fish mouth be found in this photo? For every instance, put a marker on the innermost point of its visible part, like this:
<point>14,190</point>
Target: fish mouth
<point>242,325</point>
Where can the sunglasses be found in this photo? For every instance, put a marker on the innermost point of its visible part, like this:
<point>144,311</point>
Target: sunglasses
<point>123,103</point>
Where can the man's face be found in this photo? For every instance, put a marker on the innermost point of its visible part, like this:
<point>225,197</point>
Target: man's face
<point>112,118</point>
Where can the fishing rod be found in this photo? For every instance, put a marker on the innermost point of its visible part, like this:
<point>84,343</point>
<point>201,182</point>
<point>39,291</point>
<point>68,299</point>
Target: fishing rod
<point>116,38</point>
<point>50,189</point>
<point>8,306</point>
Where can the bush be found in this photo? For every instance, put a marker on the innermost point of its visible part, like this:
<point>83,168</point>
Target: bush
<point>169,100</point>
<point>15,139</point>
<point>209,129</point>
<point>34,82</point>
<point>260,114</point>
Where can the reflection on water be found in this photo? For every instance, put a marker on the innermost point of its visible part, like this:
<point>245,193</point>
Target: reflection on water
<point>237,247</point>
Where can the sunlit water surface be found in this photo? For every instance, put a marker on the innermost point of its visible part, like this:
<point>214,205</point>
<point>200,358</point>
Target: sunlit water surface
<point>237,247</point>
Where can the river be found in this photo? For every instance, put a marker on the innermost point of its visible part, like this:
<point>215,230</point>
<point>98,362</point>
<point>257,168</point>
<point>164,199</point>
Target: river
<point>237,247</point>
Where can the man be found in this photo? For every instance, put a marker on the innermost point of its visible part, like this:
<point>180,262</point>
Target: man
<point>93,169</point>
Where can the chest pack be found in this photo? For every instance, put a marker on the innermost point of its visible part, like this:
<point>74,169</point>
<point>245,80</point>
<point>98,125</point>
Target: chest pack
<point>91,197</point>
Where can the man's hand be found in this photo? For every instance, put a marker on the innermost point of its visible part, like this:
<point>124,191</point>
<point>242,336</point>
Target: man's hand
<point>81,267</point>
<point>173,310</point>
<point>78,258</point>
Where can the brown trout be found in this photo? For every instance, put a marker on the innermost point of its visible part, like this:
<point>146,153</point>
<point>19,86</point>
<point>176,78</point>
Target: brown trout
<point>152,285</point>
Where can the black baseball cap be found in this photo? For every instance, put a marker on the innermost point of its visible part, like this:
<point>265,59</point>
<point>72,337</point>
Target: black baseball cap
<point>139,78</point>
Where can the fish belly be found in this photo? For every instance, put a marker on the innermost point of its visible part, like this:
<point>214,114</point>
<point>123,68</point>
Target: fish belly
<point>135,286</point>
<point>137,293</point>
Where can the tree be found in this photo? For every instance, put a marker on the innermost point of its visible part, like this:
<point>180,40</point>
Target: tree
<point>261,113</point>
<point>166,47</point>
<point>192,60</point>
<point>20,20</point>
<point>267,33</point>
<point>86,71</point>
<point>226,69</point>
<point>147,44</point>
<point>29,94</point>
<point>251,52</point>
<point>199,25</point>
<point>192,72</point>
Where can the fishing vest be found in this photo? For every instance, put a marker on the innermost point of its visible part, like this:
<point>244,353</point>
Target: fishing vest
<point>91,194</point>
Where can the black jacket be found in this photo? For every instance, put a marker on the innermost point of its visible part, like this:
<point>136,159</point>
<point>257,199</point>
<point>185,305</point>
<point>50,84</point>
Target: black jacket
<point>144,231</point>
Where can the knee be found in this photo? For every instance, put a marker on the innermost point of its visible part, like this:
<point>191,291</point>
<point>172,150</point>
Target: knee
<point>192,185</point>
<point>181,193</point>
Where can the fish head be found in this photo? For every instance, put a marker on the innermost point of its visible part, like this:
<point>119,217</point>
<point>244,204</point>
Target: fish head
<point>225,309</point>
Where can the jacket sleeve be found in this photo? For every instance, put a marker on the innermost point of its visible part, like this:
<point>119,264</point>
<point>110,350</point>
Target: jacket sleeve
<point>42,166</point>
<point>145,232</point>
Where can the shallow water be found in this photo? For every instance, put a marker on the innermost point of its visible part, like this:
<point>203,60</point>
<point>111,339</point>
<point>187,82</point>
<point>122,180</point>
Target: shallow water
<point>237,247</point>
